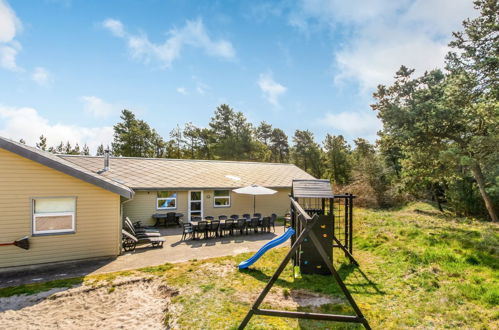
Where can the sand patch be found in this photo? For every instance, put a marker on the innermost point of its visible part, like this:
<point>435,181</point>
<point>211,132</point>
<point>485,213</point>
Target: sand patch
<point>130,303</point>
<point>293,300</point>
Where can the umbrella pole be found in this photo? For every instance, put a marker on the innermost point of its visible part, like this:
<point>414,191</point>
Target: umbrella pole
<point>254,203</point>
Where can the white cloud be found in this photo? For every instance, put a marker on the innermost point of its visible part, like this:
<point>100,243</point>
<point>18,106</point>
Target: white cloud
<point>26,123</point>
<point>381,35</point>
<point>41,76</point>
<point>182,90</point>
<point>10,25</point>
<point>97,107</point>
<point>115,26</point>
<point>192,34</point>
<point>271,89</point>
<point>353,124</point>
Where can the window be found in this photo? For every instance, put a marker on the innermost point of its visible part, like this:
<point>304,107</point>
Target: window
<point>167,200</point>
<point>54,215</point>
<point>221,198</point>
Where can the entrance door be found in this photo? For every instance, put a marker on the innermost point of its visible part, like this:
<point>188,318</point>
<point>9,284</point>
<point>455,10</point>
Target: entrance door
<point>195,204</point>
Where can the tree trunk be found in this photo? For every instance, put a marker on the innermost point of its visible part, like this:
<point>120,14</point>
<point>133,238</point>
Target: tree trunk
<point>477,173</point>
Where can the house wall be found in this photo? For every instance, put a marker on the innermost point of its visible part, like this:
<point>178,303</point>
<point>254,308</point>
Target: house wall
<point>143,206</point>
<point>97,221</point>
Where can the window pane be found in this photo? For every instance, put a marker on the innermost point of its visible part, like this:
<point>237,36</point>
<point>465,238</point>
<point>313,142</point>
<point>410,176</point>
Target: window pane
<point>166,203</point>
<point>167,194</point>
<point>196,206</point>
<point>54,205</point>
<point>195,195</point>
<point>60,222</point>
<point>161,203</point>
<point>222,193</point>
<point>222,201</point>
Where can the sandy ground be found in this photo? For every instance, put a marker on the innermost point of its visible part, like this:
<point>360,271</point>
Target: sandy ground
<point>127,303</point>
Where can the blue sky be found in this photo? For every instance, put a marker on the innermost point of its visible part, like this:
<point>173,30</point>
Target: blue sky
<point>68,67</point>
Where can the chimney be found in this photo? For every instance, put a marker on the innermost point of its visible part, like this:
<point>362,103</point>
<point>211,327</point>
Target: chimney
<point>106,160</point>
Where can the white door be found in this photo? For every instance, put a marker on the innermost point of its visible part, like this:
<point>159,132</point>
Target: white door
<point>195,204</point>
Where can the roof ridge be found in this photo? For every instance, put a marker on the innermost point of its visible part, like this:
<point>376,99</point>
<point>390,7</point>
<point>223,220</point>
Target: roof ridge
<point>177,159</point>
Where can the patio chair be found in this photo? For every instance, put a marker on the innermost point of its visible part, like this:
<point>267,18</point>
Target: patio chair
<point>129,241</point>
<point>273,218</point>
<point>195,219</point>
<point>234,217</point>
<point>222,217</point>
<point>171,218</point>
<point>209,218</point>
<point>265,224</point>
<point>247,216</point>
<point>202,227</point>
<point>127,225</point>
<point>187,230</point>
<point>213,228</point>
<point>228,227</point>
<point>257,215</point>
<point>240,225</point>
<point>253,224</point>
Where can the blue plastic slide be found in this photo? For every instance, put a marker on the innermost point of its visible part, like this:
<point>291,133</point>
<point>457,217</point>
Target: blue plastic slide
<point>273,243</point>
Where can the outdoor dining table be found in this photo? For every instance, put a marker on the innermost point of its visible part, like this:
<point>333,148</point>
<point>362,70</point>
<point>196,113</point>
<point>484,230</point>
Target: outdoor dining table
<point>222,222</point>
<point>163,217</point>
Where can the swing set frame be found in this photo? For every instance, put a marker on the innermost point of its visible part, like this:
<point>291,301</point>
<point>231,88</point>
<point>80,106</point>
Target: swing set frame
<point>307,223</point>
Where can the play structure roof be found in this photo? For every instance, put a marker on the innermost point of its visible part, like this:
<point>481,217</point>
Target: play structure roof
<point>312,188</point>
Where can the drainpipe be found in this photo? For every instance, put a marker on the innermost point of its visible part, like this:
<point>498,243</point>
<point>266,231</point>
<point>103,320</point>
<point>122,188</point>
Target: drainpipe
<point>121,223</point>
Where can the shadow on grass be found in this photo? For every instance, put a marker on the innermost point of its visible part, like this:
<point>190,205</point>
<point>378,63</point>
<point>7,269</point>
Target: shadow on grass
<point>359,282</point>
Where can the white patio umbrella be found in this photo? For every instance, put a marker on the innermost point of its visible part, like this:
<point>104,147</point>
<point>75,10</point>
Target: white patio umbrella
<point>254,190</point>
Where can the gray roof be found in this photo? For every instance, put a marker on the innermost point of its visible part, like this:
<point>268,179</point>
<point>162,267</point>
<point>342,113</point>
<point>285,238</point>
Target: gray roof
<point>162,173</point>
<point>312,188</point>
<point>62,165</point>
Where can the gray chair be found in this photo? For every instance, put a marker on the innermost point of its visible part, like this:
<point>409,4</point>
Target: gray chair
<point>187,230</point>
<point>213,228</point>
<point>240,225</point>
<point>265,224</point>
<point>228,227</point>
<point>201,228</point>
<point>253,224</point>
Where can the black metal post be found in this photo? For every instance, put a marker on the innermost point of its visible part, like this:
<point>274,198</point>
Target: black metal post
<point>350,230</point>
<point>346,222</point>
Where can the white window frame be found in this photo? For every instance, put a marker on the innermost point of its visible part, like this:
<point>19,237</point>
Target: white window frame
<point>53,214</point>
<point>195,200</point>
<point>216,197</point>
<point>167,199</point>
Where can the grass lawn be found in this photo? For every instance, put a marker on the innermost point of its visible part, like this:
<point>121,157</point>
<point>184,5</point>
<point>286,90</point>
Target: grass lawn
<point>418,268</point>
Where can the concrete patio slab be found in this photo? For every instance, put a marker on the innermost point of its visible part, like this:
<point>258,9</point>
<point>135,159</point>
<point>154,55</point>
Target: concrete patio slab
<point>174,250</point>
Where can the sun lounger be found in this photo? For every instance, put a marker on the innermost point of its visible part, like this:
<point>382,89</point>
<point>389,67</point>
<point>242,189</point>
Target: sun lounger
<point>139,229</point>
<point>129,241</point>
<point>129,228</point>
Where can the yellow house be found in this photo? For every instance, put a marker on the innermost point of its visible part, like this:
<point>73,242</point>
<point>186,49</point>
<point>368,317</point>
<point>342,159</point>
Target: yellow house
<point>71,207</point>
<point>66,211</point>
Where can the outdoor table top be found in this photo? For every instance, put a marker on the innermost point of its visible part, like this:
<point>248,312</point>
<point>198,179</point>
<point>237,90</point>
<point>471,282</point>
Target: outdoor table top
<point>164,215</point>
<point>195,223</point>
